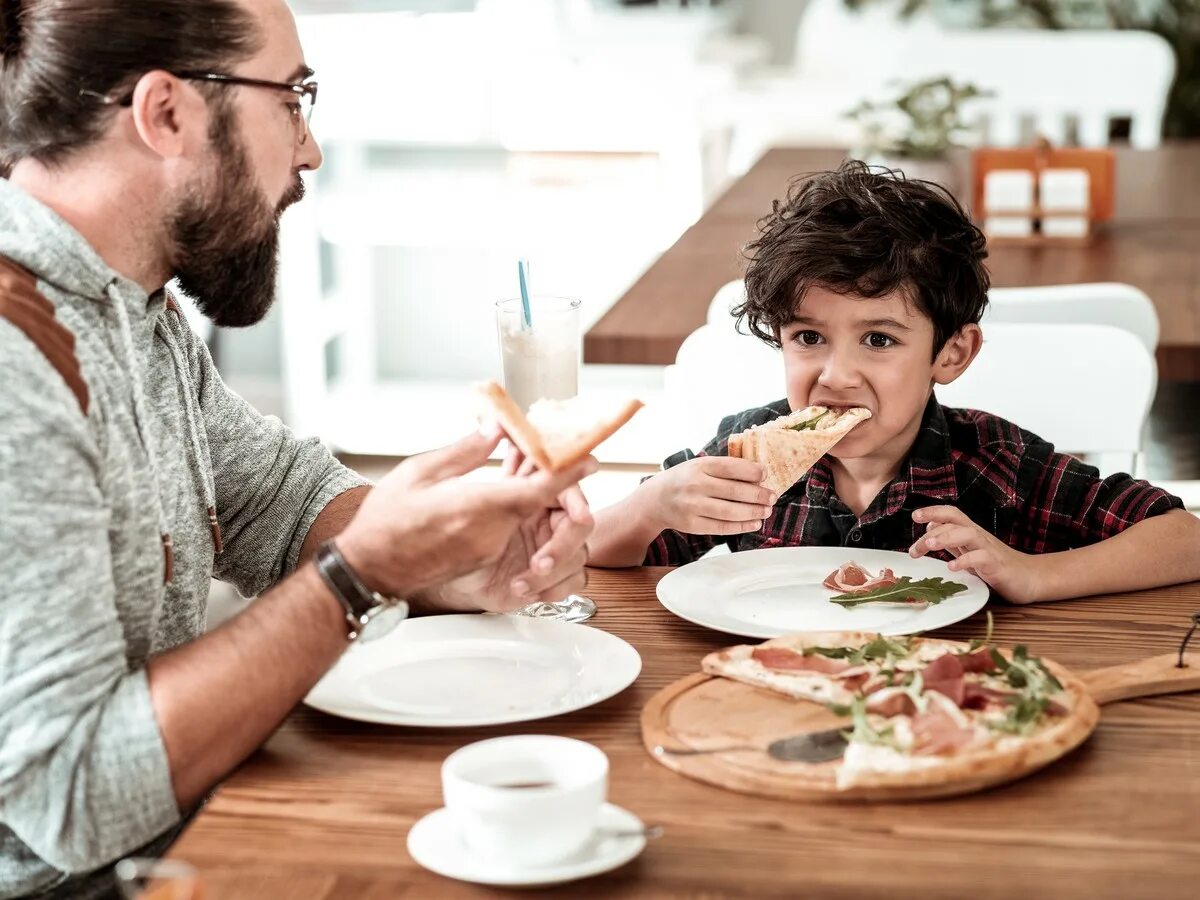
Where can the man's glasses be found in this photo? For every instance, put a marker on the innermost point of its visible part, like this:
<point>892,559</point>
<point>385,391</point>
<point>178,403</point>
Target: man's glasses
<point>305,93</point>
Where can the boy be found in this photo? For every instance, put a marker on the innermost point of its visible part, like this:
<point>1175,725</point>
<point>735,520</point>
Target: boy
<point>873,288</point>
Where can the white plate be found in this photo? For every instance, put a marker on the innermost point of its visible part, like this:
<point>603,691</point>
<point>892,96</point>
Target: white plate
<point>462,670</point>
<point>434,843</point>
<point>766,593</point>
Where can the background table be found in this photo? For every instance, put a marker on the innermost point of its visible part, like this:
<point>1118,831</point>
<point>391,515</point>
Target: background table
<point>323,810</point>
<point>1153,243</point>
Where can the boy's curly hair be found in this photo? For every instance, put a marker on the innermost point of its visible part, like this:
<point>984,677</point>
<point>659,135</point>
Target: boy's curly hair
<point>870,232</point>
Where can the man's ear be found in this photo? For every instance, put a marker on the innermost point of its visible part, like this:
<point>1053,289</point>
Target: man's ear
<point>170,117</point>
<point>953,359</point>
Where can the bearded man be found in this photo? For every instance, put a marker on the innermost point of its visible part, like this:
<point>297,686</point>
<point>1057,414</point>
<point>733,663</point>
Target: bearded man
<point>144,142</point>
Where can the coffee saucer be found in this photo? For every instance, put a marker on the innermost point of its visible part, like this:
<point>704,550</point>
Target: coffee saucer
<point>434,842</point>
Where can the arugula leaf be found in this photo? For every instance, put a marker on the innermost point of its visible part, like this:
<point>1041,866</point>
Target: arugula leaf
<point>829,652</point>
<point>977,643</point>
<point>916,692</point>
<point>878,648</point>
<point>1034,683</point>
<point>863,731</point>
<point>1023,714</point>
<point>809,424</point>
<point>905,590</point>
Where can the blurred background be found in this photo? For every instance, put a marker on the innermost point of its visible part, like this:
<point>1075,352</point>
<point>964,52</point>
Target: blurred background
<point>590,135</point>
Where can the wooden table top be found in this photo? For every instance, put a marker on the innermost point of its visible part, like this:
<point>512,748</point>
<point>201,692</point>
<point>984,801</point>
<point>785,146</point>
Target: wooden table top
<point>324,809</point>
<point>1152,243</point>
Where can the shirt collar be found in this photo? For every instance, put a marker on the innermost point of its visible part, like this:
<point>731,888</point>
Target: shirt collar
<point>931,461</point>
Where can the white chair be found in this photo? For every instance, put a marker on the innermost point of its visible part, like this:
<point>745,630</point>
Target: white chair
<point>718,371</point>
<point>1086,388</point>
<point>1043,81</point>
<point>1120,305</point>
<point>724,300</point>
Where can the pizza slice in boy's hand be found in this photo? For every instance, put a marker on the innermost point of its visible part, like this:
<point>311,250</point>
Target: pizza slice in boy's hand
<point>787,447</point>
<point>556,434</point>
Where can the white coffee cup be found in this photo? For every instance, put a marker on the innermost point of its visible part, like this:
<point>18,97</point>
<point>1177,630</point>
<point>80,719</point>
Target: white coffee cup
<point>528,799</point>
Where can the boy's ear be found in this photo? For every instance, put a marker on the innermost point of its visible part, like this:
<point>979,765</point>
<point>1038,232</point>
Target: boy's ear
<point>962,347</point>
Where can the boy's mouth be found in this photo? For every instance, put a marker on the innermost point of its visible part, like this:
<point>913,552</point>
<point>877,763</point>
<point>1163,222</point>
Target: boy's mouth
<point>840,407</point>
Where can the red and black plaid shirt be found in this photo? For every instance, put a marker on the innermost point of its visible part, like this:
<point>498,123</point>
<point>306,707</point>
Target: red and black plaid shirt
<point>1006,480</point>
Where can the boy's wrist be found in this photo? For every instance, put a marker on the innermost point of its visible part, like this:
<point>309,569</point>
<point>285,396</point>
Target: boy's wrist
<point>647,505</point>
<point>1045,572</point>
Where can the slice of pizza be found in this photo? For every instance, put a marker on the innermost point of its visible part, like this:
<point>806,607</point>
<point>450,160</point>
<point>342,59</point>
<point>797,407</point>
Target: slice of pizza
<point>788,446</point>
<point>556,434</point>
<point>921,710</point>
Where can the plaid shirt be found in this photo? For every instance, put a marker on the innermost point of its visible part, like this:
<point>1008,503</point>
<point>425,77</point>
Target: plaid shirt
<point>1008,481</point>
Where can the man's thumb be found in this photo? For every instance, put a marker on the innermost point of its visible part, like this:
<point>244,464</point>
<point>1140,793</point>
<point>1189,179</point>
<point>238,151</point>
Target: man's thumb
<point>463,456</point>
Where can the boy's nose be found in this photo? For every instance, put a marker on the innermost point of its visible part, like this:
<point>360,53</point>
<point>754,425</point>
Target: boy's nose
<point>838,373</point>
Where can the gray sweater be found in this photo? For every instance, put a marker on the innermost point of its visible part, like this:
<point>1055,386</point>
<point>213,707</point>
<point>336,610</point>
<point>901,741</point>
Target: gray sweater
<point>90,481</point>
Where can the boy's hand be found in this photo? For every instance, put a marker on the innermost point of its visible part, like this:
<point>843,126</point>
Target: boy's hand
<point>1009,572</point>
<point>710,495</point>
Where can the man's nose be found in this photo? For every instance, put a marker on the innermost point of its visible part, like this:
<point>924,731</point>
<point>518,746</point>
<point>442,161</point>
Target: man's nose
<point>308,155</point>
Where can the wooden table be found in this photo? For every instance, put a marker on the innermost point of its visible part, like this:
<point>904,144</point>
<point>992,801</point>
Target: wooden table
<point>1153,243</point>
<point>323,810</point>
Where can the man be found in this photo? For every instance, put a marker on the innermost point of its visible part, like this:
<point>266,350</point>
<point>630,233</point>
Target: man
<point>145,141</point>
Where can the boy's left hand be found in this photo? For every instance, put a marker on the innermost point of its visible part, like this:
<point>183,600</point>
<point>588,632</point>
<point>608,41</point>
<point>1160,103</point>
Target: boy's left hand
<point>1009,572</point>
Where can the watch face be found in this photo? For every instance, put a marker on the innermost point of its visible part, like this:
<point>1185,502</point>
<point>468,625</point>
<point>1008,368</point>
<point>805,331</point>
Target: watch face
<point>384,620</point>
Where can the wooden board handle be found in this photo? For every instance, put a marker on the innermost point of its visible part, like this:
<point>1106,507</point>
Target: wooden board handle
<point>1144,678</point>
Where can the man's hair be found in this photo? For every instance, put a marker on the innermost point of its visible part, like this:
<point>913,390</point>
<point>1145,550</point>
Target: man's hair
<point>59,58</point>
<point>868,232</point>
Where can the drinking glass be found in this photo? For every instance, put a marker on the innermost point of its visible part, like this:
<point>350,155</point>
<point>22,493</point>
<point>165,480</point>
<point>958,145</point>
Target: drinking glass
<point>541,362</point>
<point>157,879</point>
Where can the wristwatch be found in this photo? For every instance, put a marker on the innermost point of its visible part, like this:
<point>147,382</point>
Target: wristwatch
<point>363,606</point>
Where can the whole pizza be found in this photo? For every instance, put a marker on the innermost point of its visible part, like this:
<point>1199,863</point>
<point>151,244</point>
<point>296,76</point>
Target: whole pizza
<point>921,711</point>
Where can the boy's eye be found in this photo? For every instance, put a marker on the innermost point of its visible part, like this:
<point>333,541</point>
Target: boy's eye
<point>879,341</point>
<point>808,338</point>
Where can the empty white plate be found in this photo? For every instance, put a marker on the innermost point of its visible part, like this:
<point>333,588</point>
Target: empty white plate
<point>463,670</point>
<point>768,593</point>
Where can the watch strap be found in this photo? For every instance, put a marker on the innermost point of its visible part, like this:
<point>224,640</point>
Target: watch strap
<point>359,602</point>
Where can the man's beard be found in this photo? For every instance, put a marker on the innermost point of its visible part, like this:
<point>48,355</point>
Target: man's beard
<point>226,236</point>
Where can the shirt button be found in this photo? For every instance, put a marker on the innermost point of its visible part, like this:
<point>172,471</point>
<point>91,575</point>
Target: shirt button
<point>856,535</point>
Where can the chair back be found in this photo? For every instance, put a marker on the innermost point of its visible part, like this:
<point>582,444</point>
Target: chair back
<point>1120,305</point>
<point>1050,83</point>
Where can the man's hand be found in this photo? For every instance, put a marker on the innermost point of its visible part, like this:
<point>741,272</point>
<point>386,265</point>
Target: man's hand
<point>544,561</point>
<point>1009,572</point>
<point>423,527</point>
<point>709,495</point>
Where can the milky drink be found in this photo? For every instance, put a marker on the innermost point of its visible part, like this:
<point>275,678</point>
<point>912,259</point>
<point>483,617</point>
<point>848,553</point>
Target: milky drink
<point>541,362</point>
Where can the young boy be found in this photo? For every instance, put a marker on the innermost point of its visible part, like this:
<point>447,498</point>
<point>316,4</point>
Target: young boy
<point>873,287</point>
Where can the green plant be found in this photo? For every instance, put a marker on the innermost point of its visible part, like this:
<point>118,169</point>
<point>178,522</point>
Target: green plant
<point>1177,21</point>
<point>922,121</point>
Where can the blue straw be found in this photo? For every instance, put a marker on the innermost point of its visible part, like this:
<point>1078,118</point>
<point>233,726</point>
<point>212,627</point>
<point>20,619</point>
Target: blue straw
<point>526,314</point>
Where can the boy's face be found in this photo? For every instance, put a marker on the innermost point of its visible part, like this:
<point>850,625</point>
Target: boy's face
<point>846,351</point>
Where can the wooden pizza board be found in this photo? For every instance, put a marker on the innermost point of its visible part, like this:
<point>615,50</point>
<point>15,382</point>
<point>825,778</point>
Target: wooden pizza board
<point>703,711</point>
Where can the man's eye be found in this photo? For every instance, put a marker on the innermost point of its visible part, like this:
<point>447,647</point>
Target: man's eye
<point>294,109</point>
<point>879,341</point>
<point>807,338</point>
